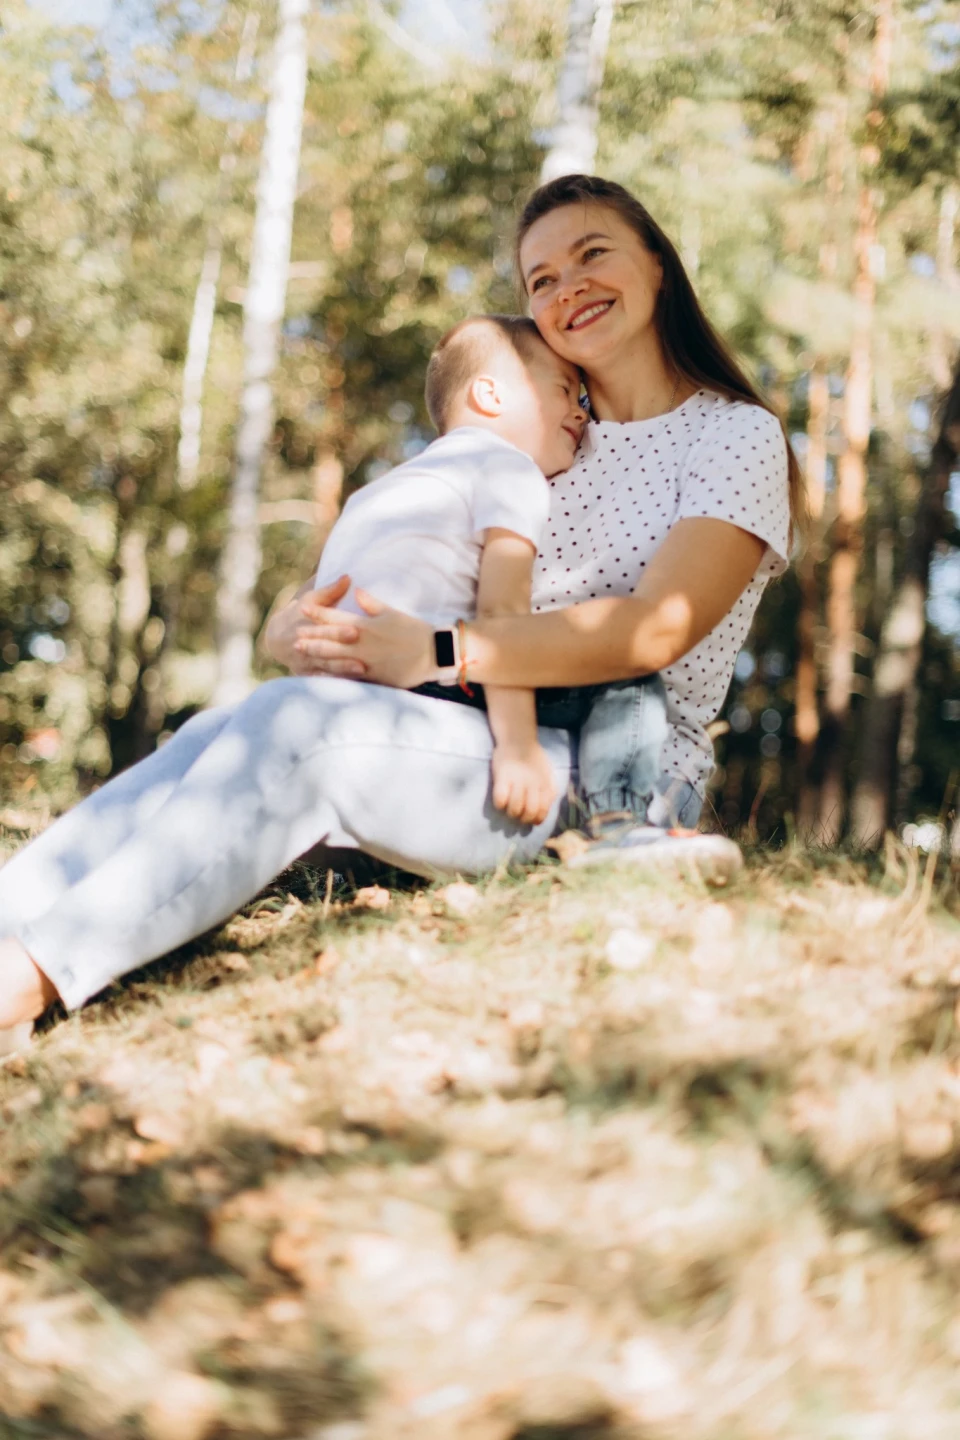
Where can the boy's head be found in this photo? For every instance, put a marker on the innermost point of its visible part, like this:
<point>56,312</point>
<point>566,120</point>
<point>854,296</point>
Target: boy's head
<point>496,372</point>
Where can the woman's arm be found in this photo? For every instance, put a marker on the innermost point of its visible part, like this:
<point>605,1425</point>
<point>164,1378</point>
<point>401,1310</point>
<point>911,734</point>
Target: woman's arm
<point>693,581</point>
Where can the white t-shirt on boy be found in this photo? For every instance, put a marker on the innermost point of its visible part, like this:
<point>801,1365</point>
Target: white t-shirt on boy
<point>610,512</point>
<point>414,537</point>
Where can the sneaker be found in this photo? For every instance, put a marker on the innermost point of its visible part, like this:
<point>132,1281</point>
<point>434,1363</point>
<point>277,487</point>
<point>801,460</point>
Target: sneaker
<point>712,858</point>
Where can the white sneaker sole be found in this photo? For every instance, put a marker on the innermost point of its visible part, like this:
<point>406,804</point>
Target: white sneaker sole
<point>710,858</point>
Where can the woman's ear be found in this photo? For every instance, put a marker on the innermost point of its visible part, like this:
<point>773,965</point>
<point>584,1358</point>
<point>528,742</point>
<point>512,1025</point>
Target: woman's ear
<point>485,395</point>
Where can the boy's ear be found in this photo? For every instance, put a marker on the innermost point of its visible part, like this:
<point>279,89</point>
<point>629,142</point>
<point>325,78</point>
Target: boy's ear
<point>485,394</point>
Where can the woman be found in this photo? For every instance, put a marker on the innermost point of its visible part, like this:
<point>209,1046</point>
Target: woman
<point>664,534</point>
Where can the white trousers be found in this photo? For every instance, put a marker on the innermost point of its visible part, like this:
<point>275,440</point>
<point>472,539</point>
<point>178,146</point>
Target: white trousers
<point>174,845</point>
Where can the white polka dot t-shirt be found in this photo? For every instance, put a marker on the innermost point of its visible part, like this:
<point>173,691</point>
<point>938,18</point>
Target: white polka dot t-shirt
<point>629,485</point>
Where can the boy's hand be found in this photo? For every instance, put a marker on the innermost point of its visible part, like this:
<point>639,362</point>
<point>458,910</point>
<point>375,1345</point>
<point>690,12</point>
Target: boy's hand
<point>523,783</point>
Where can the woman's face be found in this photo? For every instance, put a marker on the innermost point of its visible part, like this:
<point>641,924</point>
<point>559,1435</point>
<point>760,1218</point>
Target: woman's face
<point>591,281</point>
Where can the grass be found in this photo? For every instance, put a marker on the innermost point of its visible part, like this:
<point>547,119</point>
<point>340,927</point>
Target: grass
<point>559,1156</point>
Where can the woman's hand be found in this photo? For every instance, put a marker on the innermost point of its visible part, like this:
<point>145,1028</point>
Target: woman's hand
<point>382,645</point>
<point>289,623</point>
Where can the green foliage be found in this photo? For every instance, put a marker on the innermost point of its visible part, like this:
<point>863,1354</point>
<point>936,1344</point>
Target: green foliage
<point>921,132</point>
<point>721,116</point>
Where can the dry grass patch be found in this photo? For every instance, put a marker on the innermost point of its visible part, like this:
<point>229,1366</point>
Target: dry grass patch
<point>558,1155</point>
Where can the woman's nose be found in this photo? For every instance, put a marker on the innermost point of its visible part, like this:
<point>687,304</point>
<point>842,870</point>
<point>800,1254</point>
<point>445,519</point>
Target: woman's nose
<point>571,285</point>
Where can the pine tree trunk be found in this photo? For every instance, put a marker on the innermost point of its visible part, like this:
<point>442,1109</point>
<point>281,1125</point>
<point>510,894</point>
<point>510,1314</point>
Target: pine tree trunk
<point>807,721</point>
<point>807,715</point>
<point>573,144</point>
<point>205,296</point>
<point>262,319</point>
<point>888,736</point>
<point>852,472</point>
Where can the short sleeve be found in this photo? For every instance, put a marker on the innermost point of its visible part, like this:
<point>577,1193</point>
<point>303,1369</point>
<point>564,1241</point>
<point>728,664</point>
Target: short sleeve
<point>737,471</point>
<point>510,493</point>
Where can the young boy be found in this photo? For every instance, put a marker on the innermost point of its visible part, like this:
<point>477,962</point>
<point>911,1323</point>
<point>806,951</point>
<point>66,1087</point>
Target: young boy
<point>453,534</point>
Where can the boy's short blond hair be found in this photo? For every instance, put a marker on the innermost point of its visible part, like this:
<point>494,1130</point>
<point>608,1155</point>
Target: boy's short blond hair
<point>466,351</point>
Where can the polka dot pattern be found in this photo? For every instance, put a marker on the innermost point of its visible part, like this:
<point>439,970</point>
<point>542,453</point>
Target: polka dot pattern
<point>630,484</point>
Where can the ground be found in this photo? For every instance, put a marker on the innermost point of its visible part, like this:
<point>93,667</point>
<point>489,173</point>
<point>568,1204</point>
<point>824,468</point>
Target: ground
<point>559,1156</point>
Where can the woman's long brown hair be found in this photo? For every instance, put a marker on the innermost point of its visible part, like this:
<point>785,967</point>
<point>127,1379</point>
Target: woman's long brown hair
<point>691,345</point>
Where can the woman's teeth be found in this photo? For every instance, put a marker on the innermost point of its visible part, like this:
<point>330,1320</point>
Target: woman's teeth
<point>589,314</point>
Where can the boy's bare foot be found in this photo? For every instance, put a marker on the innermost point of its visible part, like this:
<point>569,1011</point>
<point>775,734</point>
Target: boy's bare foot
<point>25,992</point>
<point>15,1041</point>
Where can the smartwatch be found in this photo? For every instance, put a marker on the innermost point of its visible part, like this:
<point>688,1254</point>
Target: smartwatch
<point>446,654</point>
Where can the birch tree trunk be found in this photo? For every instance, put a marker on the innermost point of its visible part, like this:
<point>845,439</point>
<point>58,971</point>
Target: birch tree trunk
<point>262,318</point>
<point>852,470</point>
<point>205,297</point>
<point>889,729</point>
<point>573,142</point>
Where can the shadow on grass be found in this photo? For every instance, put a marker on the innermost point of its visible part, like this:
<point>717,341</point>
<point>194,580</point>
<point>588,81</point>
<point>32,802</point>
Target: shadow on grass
<point>305,881</point>
<point>127,1239</point>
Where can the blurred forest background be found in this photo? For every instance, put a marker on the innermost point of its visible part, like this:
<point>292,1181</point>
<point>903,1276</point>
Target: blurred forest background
<point>804,155</point>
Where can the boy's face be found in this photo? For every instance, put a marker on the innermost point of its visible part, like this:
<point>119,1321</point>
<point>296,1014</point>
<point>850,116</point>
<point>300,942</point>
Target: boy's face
<point>544,406</point>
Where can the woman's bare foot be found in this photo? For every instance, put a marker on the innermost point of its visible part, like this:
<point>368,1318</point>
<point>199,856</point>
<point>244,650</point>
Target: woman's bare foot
<point>25,992</point>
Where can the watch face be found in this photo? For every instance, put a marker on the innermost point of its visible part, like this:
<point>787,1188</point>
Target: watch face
<point>443,649</point>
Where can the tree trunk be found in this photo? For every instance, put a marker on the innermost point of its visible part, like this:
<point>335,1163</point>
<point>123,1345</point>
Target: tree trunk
<point>262,318</point>
<point>195,366</point>
<point>889,728</point>
<point>573,143</point>
<point>807,716</point>
<point>852,470</point>
<point>205,298</point>
<point>807,722</point>
<point>901,642</point>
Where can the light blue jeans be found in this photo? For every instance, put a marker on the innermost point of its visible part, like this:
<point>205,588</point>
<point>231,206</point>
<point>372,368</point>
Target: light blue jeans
<point>620,742</point>
<point>174,845</point>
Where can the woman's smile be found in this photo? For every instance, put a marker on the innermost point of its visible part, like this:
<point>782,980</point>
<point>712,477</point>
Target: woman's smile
<point>587,314</point>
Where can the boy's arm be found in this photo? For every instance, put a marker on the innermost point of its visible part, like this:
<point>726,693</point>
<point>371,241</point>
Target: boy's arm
<point>522,778</point>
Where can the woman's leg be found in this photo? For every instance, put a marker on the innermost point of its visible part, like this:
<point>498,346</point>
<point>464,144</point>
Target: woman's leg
<point>33,879</point>
<point>303,760</point>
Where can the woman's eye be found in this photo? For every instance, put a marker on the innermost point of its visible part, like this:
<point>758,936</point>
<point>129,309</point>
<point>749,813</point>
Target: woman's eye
<point>538,284</point>
<point>594,250</point>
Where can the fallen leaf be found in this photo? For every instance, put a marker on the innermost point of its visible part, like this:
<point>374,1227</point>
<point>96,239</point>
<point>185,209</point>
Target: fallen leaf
<point>93,1116</point>
<point>327,960</point>
<point>165,1129</point>
<point>284,1310</point>
<point>311,1140</point>
<point>234,960</point>
<point>186,1408</point>
<point>335,1041</point>
<point>24,1100</point>
<point>649,1374</point>
<point>926,1140</point>
<point>527,1016</point>
<point>461,899</point>
<point>372,897</point>
<point>568,845</point>
<point>629,950</point>
<point>147,1152</point>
